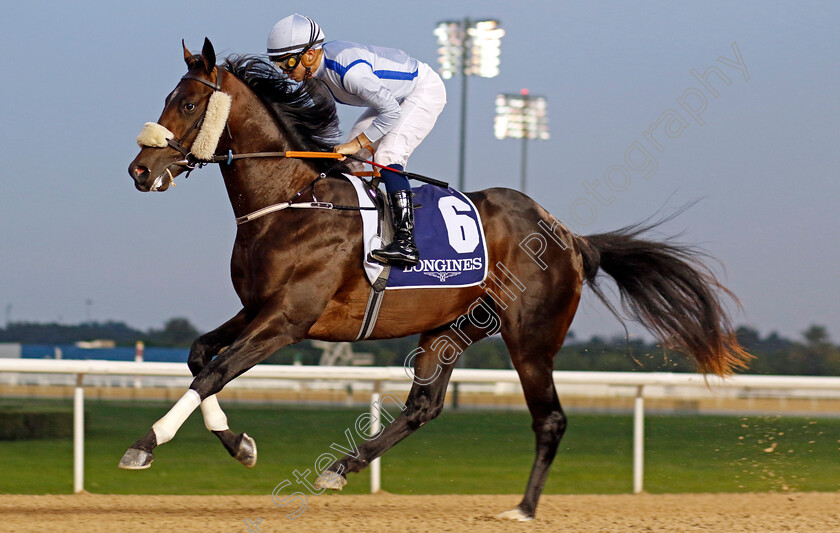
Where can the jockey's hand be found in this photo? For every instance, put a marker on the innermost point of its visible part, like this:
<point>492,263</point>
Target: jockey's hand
<point>353,145</point>
<point>346,149</point>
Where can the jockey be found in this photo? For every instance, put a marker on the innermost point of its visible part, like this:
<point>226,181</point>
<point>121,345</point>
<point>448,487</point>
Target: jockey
<point>403,95</point>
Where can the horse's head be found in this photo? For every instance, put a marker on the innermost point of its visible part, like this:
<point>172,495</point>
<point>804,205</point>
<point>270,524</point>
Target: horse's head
<point>189,128</point>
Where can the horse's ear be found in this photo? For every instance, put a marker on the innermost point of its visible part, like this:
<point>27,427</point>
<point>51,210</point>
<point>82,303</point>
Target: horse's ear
<point>209,56</point>
<point>187,53</point>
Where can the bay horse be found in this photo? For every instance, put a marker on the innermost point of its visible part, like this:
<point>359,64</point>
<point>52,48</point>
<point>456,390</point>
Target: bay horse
<point>299,273</point>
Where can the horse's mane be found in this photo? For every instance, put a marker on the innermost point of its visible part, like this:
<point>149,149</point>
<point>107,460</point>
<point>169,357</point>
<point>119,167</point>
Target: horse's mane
<point>303,111</point>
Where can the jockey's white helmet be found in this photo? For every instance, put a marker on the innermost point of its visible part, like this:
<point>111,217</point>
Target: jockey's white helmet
<point>294,34</point>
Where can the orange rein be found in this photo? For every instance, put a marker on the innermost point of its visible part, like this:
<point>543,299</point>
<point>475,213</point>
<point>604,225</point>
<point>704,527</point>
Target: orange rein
<point>316,155</point>
<point>329,155</point>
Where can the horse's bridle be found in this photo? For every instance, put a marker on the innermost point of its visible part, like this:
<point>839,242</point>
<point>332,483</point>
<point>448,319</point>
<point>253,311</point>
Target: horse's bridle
<point>190,161</point>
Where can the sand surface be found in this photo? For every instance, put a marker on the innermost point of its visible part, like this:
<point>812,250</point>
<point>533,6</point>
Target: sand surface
<point>758,512</point>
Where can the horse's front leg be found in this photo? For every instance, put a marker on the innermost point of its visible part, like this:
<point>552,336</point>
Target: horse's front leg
<point>265,334</point>
<point>240,446</point>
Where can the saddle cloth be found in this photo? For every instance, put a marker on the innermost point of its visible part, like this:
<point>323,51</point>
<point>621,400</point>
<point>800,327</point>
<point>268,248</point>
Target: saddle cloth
<point>449,236</point>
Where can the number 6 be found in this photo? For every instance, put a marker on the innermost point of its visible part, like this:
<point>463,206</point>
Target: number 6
<point>462,229</point>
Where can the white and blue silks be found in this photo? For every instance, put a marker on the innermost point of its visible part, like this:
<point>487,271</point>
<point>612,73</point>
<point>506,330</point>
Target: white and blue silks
<point>404,96</point>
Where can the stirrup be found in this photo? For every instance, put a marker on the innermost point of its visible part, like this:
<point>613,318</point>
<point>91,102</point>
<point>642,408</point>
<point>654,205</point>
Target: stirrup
<point>394,261</point>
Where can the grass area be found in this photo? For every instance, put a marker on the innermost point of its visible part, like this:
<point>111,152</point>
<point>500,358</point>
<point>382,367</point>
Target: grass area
<point>460,452</point>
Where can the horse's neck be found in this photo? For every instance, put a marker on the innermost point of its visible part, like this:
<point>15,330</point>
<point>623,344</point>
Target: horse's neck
<point>254,183</point>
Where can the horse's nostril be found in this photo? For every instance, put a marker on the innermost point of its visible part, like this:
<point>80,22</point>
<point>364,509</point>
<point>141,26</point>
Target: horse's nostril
<point>140,174</point>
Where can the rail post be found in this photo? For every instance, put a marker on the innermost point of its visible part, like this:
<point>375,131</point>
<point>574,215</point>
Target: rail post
<point>376,420</point>
<point>79,435</point>
<point>638,440</point>
<point>139,347</point>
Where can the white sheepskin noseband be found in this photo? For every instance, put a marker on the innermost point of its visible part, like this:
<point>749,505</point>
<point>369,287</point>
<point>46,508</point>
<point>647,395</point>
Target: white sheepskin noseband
<point>154,135</point>
<point>204,147</point>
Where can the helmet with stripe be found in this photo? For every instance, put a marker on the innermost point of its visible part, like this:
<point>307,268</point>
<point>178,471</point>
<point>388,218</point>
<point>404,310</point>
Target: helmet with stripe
<point>294,34</point>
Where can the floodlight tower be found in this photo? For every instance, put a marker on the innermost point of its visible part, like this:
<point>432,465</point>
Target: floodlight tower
<point>471,47</point>
<point>521,116</point>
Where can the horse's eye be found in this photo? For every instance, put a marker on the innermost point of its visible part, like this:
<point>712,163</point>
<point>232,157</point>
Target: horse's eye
<point>188,107</point>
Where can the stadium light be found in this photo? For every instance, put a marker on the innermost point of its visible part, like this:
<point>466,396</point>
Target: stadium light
<point>471,47</point>
<point>521,116</point>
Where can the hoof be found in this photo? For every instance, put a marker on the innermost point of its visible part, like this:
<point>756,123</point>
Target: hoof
<point>516,515</point>
<point>330,480</point>
<point>135,459</point>
<point>247,452</point>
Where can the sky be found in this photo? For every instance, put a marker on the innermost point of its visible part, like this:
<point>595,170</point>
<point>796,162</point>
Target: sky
<point>755,143</point>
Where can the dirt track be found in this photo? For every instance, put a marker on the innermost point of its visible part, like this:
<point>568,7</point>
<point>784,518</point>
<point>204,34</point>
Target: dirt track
<point>763,512</point>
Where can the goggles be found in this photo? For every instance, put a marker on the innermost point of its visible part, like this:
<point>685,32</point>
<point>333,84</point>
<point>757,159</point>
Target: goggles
<point>287,63</point>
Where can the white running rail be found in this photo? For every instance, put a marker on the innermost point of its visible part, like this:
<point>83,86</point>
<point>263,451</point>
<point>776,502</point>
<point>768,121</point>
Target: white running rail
<point>707,385</point>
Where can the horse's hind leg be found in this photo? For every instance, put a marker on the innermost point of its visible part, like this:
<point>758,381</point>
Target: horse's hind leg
<point>533,359</point>
<point>433,364</point>
<point>549,424</point>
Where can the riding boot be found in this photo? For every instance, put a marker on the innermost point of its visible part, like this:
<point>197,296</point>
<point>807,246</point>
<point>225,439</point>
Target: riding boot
<point>402,250</point>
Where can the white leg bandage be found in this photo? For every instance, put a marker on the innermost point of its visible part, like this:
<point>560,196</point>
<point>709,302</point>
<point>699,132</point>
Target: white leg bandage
<point>214,417</point>
<point>166,427</point>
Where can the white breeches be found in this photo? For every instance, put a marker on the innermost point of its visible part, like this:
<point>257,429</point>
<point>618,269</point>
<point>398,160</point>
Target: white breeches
<point>419,112</point>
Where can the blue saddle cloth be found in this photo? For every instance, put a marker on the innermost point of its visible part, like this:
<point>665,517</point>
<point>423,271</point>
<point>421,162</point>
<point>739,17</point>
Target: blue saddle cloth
<point>450,238</point>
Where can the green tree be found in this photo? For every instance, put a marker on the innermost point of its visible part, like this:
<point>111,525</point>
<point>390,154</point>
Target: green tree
<point>817,356</point>
<point>176,332</point>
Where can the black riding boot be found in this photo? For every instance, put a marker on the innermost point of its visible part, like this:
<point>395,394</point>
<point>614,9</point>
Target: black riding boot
<point>402,250</point>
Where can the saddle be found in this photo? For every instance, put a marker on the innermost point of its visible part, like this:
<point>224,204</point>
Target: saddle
<point>449,235</point>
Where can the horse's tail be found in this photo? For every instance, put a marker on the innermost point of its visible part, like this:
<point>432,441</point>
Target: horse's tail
<point>666,287</point>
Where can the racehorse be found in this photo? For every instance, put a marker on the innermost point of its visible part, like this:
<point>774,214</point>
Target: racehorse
<point>299,274</point>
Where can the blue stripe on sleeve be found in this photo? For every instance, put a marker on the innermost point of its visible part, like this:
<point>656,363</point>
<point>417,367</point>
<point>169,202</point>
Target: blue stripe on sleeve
<point>395,75</point>
<point>341,70</point>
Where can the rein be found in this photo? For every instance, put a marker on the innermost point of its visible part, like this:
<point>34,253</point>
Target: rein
<point>230,157</point>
